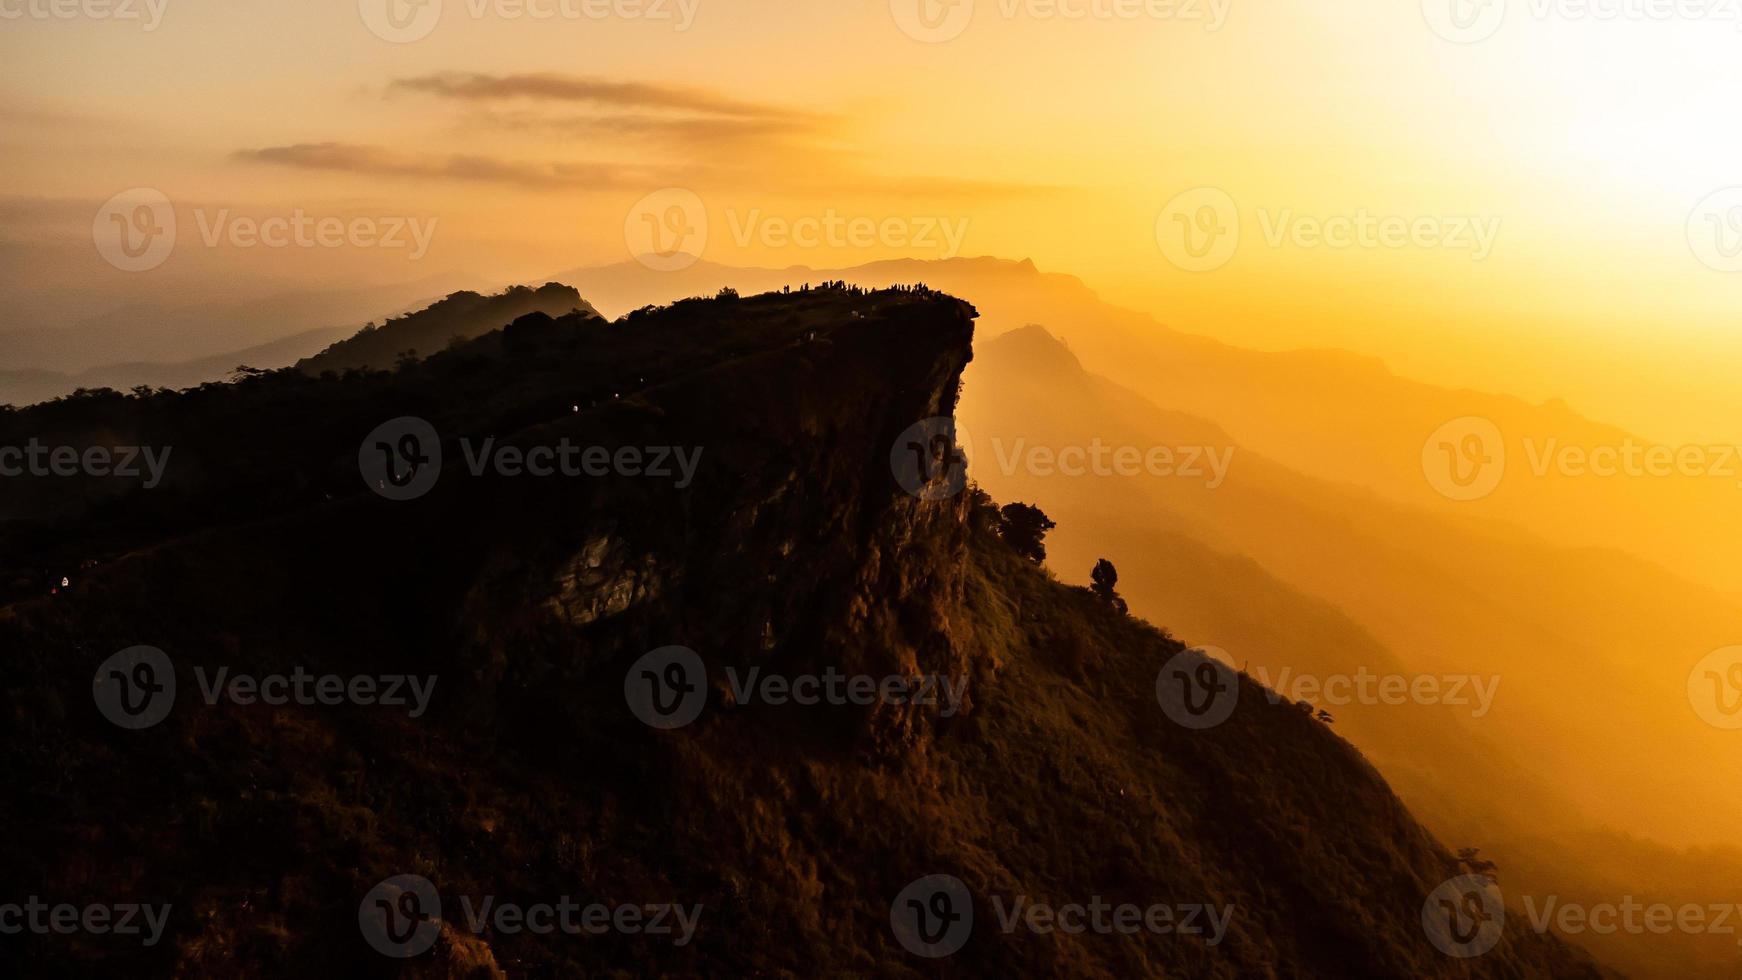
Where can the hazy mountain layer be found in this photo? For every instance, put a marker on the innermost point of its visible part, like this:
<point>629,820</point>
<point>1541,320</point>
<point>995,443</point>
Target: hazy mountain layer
<point>1536,724</point>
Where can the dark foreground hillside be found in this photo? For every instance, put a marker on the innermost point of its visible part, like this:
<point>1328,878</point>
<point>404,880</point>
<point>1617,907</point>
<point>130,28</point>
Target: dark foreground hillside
<point>531,775</point>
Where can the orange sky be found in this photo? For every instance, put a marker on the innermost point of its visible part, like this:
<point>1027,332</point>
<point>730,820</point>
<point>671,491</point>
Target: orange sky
<point>1583,147</point>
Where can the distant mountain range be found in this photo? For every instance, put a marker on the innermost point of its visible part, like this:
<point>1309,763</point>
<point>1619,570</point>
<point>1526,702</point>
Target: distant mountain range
<point>177,345</point>
<point>1301,580</point>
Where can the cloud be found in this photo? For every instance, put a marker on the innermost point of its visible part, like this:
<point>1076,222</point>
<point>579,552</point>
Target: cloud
<point>379,161</point>
<point>550,87</point>
<point>705,139</point>
<point>679,130</point>
<point>827,175</point>
<point>697,122</point>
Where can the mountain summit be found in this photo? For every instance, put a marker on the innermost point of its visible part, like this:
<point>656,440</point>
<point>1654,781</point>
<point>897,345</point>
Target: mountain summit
<point>458,318</point>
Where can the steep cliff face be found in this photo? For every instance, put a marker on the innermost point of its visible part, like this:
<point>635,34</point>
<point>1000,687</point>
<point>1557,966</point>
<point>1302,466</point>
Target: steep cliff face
<point>601,726</point>
<point>792,549</point>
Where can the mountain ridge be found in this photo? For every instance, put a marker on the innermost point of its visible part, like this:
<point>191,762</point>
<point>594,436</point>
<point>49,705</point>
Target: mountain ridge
<point>795,829</point>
